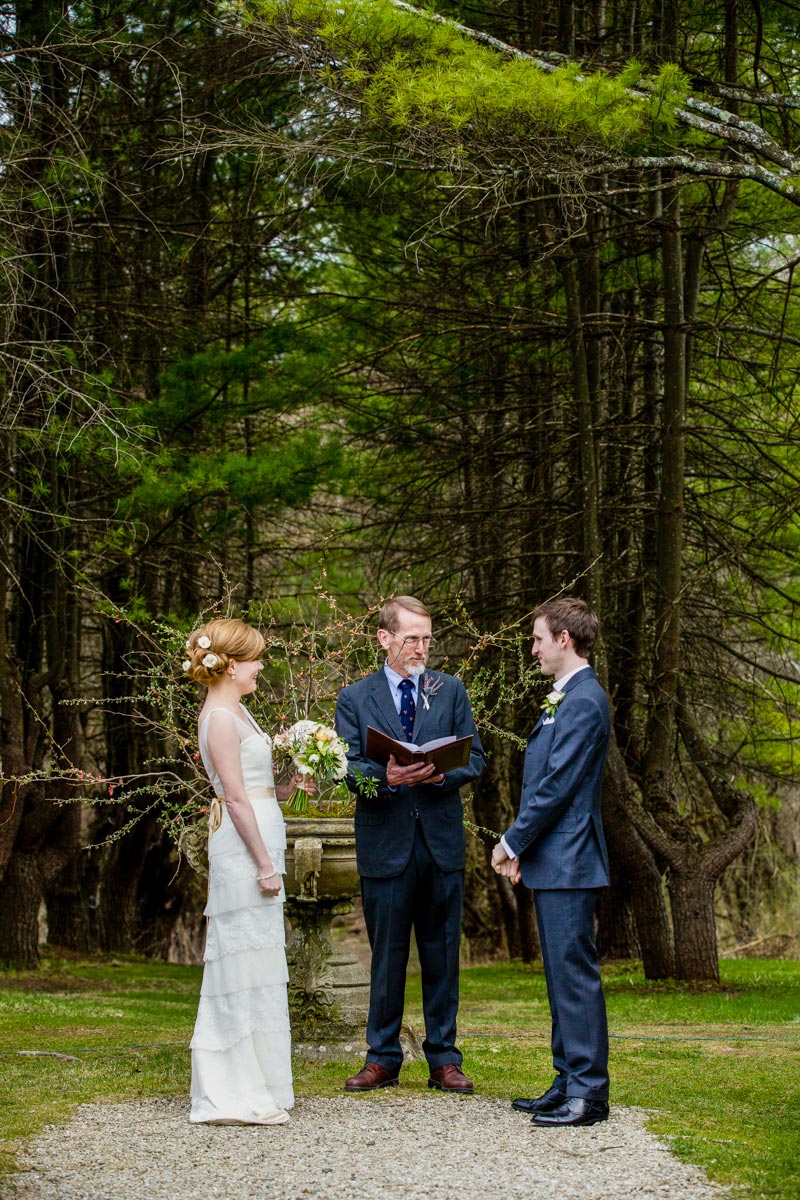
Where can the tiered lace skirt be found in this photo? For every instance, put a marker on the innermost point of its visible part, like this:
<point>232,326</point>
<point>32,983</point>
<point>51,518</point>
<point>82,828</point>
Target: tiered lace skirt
<point>241,1048</point>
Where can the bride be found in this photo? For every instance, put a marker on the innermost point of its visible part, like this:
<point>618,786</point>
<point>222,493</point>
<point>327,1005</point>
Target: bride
<point>241,1048</point>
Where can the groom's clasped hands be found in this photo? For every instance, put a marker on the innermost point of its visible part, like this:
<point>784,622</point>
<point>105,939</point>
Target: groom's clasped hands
<point>504,865</point>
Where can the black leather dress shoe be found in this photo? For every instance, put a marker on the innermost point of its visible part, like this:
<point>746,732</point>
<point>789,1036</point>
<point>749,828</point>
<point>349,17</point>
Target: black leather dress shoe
<point>540,1104</point>
<point>574,1111</point>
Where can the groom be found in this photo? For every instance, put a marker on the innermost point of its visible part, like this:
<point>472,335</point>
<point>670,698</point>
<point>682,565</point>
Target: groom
<point>557,846</point>
<point>409,845</point>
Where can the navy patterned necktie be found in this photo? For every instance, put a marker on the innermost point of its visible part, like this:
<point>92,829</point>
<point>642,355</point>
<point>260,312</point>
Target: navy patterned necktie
<point>407,707</point>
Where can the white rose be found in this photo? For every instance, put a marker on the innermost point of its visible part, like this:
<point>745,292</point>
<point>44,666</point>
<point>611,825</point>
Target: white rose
<point>188,643</point>
<point>210,660</point>
<point>187,663</point>
<point>204,642</point>
<point>302,727</point>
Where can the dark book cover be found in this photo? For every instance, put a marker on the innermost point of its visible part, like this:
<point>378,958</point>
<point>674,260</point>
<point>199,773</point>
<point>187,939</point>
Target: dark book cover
<point>446,754</point>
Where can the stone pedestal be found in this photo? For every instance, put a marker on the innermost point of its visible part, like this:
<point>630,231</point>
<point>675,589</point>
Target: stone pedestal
<point>328,988</point>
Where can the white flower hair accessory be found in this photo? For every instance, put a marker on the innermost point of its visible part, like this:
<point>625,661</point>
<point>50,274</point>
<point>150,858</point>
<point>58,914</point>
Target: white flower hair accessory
<point>210,660</point>
<point>204,642</point>
<point>188,643</point>
<point>187,664</point>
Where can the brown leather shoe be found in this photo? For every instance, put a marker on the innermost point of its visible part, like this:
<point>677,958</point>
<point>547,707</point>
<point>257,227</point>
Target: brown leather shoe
<point>451,1078</point>
<point>371,1076</point>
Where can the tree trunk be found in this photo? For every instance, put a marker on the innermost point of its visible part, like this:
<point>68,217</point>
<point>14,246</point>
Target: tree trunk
<point>616,923</point>
<point>117,922</point>
<point>529,23</point>
<point>666,28</point>
<point>587,466</point>
<point>566,27</point>
<point>528,928</point>
<point>20,898</point>
<point>118,915</point>
<point>635,858</point>
<point>691,896</point>
<point>12,733</point>
<point>69,916</point>
<point>667,630</point>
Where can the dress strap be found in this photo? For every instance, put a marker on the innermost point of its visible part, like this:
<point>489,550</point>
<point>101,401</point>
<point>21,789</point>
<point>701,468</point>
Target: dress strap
<point>215,809</point>
<point>251,719</point>
<point>220,708</point>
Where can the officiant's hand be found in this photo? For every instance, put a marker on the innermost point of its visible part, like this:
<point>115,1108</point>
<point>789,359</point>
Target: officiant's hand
<point>397,776</point>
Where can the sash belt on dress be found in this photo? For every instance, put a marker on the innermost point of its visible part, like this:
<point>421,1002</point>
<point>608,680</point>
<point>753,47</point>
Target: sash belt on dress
<point>215,811</point>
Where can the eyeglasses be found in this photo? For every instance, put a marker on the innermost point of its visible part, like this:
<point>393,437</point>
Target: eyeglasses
<point>426,642</point>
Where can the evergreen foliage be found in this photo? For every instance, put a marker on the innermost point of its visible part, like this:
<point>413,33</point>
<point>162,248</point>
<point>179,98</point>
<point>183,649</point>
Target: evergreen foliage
<point>479,304</point>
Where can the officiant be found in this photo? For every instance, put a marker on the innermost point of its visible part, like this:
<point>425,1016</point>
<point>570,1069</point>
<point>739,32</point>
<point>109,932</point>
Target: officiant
<point>409,845</point>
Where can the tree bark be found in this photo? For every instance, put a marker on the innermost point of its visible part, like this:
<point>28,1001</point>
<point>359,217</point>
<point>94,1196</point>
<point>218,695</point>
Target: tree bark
<point>635,858</point>
<point>69,916</point>
<point>118,907</point>
<point>616,923</point>
<point>691,895</point>
<point>667,625</point>
<point>530,947</point>
<point>566,27</point>
<point>20,898</point>
<point>587,462</point>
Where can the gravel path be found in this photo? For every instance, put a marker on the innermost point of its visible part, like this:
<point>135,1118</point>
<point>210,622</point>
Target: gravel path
<point>374,1147</point>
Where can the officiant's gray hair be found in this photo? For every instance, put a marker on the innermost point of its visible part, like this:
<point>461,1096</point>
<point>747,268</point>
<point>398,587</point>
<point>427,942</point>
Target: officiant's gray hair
<point>389,616</point>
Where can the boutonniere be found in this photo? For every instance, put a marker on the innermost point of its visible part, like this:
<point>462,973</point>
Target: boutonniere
<point>551,702</point>
<point>430,687</point>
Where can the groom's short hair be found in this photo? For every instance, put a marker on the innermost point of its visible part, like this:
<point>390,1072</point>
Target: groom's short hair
<point>573,615</point>
<point>388,618</point>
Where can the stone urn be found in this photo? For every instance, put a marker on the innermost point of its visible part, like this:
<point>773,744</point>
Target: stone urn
<point>328,987</point>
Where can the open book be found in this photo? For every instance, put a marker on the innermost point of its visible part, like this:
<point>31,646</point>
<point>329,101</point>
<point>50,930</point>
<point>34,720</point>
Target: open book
<point>445,753</point>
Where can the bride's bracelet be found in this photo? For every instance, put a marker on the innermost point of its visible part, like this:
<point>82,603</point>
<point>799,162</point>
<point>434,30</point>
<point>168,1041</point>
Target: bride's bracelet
<point>272,875</point>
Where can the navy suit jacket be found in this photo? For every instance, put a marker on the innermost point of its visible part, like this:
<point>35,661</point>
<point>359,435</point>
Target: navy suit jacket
<point>558,834</point>
<point>385,826</point>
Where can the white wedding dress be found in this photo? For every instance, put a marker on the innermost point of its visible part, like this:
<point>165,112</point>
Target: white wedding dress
<point>241,1048</point>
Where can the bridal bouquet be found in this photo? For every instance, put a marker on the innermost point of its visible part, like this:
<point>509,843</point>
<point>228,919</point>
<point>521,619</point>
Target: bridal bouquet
<point>314,750</point>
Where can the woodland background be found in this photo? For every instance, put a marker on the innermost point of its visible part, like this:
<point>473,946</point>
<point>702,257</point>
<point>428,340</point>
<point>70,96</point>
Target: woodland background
<point>298,292</point>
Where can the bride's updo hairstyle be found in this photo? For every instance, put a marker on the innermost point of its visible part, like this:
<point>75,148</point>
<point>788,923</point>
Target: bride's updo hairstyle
<point>210,650</point>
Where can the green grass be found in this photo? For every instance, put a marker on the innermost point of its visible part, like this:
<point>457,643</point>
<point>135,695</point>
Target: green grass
<point>124,1023</point>
<point>718,1069</point>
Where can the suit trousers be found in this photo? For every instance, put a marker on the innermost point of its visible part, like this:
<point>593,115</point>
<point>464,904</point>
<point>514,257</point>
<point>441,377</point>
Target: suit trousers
<point>429,900</point>
<point>574,991</point>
